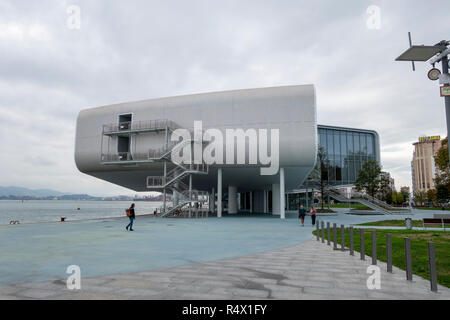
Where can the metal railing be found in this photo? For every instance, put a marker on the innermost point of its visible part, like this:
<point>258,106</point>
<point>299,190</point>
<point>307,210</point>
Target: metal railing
<point>131,126</point>
<point>123,156</point>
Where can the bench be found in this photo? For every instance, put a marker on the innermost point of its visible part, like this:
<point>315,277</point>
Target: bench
<point>436,221</point>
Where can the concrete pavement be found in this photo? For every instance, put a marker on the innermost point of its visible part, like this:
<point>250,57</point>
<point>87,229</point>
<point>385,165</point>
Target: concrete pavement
<point>311,270</point>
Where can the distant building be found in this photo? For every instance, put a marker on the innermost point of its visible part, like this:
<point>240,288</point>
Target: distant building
<point>387,175</point>
<point>404,189</point>
<point>422,165</point>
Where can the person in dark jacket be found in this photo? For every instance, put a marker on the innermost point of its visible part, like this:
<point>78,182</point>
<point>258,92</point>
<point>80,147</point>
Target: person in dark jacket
<point>132,216</point>
<point>301,214</point>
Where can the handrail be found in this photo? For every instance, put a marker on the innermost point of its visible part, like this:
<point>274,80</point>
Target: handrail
<point>128,126</point>
<point>363,196</point>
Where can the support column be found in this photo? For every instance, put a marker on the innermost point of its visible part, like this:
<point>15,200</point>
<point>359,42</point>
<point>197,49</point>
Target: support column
<point>190,195</point>
<point>165,194</point>
<point>219,193</point>
<point>282,195</point>
<point>232,199</point>
<point>265,201</point>
<point>176,197</point>
<point>276,198</point>
<point>251,201</point>
<point>213,201</point>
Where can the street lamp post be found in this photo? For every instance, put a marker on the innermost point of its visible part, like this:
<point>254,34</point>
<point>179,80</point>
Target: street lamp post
<point>435,54</point>
<point>447,98</point>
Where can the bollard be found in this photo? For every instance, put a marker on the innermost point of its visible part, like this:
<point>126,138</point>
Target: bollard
<point>328,233</point>
<point>352,246</point>
<point>432,264</point>
<point>374,247</point>
<point>389,252</point>
<point>361,242</point>
<point>342,237</point>
<point>317,231</point>
<point>323,234</point>
<point>408,260</point>
<point>334,237</point>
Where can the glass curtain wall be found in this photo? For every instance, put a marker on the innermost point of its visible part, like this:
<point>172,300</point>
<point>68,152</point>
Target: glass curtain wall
<point>346,151</point>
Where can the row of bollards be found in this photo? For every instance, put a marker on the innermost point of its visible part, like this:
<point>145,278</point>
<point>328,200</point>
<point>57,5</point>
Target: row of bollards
<point>320,234</point>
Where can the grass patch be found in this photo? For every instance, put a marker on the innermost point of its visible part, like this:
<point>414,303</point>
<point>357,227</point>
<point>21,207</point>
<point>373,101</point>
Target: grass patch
<point>398,223</point>
<point>358,206</point>
<point>431,208</point>
<point>419,249</point>
<point>392,223</point>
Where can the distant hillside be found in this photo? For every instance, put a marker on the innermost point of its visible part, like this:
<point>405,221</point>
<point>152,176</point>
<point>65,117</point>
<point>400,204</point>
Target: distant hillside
<point>19,191</point>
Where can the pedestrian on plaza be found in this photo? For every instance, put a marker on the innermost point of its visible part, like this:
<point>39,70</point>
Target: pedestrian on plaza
<point>313,215</point>
<point>131,216</point>
<point>301,214</point>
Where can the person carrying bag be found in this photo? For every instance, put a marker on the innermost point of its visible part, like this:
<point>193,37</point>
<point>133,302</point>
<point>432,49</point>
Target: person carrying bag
<point>131,216</point>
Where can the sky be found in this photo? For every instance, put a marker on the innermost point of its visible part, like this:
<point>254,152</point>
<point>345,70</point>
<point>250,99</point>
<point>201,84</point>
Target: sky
<point>132,50</point>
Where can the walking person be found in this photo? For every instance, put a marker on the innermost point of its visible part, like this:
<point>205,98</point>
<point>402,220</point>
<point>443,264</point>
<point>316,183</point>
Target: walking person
<point>132,216</point>
<point>313,215</point>
<point>301,214</point>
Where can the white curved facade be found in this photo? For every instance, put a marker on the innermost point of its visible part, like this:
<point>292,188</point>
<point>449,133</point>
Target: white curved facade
<point>290,109</point>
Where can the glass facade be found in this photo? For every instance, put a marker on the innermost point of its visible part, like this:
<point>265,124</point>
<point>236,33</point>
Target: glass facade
<point>346,151</point>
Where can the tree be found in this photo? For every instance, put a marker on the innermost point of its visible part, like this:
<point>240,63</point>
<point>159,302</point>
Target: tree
<point>420,197</point>
<point>431,195</point>
<point>442,177</point>
<point>320,173</point>
<point>442,194</point>
<point>385,192</point>
<point>394,196</point>
<point>405,195</point>
<point>370,179</point>
<point>400,198</point>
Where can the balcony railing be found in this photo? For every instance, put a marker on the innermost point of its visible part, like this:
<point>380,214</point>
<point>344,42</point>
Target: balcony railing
<point>125,157</point>
<point>137,126</point>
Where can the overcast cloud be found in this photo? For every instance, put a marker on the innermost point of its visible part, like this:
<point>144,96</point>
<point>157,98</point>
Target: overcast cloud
<point>132,50</point>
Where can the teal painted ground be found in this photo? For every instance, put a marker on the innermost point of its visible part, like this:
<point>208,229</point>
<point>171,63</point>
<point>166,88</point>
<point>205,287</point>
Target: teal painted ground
<point>38,252</point>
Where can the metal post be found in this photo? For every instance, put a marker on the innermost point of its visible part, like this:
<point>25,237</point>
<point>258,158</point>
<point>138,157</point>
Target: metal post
<point>219,192</point>
<point>165,179</point>
<point>328,233</point>
<point>408,260</point>
<point>374,247</point>
<point>317,231</point>
<point>447,99</point>
<point>323,231</point>
<point>328,200</point>
<point>432,264</point>
<point>306,195</point>
<point>361,243</point>
<point>342,237</point>
<point>352,245</point>
<point>190,195</point>
<point>389,252</point>
<point>334,236</point>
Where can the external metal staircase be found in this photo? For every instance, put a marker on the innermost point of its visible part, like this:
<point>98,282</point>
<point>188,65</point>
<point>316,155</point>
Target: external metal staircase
<point>357,197</point>
<point>174,171</point>
<point>365,199</point>
<point>173,179</point>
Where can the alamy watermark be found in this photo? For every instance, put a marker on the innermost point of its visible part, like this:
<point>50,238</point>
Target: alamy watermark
<point>373,21</point>
<point>74,279</point>
<point>74,18</point>
<point>213,153</point>
<point>374,280</point>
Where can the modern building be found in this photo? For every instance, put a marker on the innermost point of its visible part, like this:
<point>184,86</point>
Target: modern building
<point>252,148</point>
<point>423,168</point>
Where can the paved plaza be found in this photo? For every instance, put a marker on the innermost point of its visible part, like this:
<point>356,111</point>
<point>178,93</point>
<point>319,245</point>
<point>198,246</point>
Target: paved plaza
<point>310,270</point>
<point>230,258</point>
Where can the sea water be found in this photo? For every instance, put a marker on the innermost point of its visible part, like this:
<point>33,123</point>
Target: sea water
<point>29,211</point>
